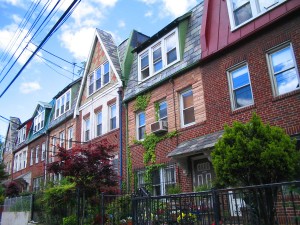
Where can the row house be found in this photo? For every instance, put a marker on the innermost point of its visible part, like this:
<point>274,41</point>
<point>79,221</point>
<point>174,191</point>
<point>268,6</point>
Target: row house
<point>216,64</point>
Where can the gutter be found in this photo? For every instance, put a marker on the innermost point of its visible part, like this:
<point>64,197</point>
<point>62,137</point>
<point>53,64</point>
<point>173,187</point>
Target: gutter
<point>121,137</point>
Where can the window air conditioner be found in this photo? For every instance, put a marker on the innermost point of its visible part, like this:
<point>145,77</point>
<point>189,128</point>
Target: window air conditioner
<point>159,126</point>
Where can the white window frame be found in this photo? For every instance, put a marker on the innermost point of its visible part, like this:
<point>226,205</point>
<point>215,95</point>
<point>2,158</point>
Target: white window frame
<point>61,109</point>
<point>271,71</point>
<point>255,9</point>
<point>70,137</point>
<point>62,139</point>
<point>182,109</point>
<point>159,104</point>
<point>37,154</point>
<point>87,120</point>
<point>110,108</point>
<point>53,148</point>
<point>43,156</point>
<point>231,88</point>
<point>139,126</point>
<point>31,156</point>
<point>22,134</point>
<point>150,49</point>
<point>99,123</point>
<point>39,121</point>
<point>92,78</point>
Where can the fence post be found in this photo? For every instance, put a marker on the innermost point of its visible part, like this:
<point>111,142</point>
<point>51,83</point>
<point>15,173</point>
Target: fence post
<point>32,207</point>
<point>102,208</point>
<point>215,197</point>
<point>133,209</point>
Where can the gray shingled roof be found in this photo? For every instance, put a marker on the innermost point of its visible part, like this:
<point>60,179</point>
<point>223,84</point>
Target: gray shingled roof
<point>192,54</point>
<point>121,50</point>
<point>111,49</point>
<point>196,145</point>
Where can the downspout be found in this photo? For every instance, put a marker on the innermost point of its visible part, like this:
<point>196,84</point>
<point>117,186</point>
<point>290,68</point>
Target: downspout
<point>127,149</point>
<point>121,137</point>
<point>46,158</point>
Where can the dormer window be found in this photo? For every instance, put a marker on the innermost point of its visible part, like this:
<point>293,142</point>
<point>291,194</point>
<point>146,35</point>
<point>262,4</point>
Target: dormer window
<point>63,104</point>
<point>98,78</point>
<point>243,11</point>
<point>39,120</point>
<point>163,53</point>
<point>21,134</point>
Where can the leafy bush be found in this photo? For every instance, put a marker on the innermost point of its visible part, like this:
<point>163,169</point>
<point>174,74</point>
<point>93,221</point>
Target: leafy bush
<point>70,220</point>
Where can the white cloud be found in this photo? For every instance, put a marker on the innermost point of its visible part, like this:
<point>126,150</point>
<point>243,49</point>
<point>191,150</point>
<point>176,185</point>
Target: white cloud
<point>28,87</point>
<point>78,42</point>
<point>16,18</point>
<point>18,3</point>
<point>148,14</point>
<point>149,2</point>
<point>121,24</point>
<point>106,3</point>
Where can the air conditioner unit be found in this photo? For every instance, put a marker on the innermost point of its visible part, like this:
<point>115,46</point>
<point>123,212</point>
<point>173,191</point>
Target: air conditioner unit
<point>159,127</point>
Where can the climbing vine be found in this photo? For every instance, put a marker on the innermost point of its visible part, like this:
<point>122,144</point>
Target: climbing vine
<point>142,102</point>
<point>156,107</point>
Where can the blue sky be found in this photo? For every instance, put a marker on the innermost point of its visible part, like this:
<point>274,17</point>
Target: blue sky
<point>39,82</point>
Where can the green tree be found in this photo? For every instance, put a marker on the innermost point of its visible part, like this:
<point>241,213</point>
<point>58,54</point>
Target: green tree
<point>255,153</point>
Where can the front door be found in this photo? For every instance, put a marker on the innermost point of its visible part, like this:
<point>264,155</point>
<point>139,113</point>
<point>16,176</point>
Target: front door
<point>202,172</point>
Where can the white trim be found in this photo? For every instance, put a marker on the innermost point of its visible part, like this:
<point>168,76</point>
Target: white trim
<point>65,104</point>
<point>138,124</point>
<point>181,107</point>
<point>255,10</point>
<point>162,43</point>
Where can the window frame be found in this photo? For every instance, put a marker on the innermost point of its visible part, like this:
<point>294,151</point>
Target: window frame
<point>110,118</point>
<point>231,89</point>
<point>182,109</point>
<point>271,71</point>
<point>22,135</point>
<point>62,139</point>
<point>61,104</point>
<point>37,154</point>
<point>31,156</point>
<point>70,137</point>
<point>162,43</point>
<point>138,126</point>
<point>99,123</point>
<point>159,109</point>
<point>85,129</point>
<point>43,155</point>
<point>255,9</point>
<point>93,77</point>
<point>39,121</point>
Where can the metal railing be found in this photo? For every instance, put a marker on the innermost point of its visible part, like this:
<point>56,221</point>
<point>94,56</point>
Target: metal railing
<point>18,204</point>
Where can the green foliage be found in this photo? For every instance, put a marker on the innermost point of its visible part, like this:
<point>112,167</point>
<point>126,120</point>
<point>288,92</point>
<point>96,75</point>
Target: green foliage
<point>174,190</point>
<point>3,173</point>
<point>149,171</point>
<point>203,187</point>
<point>70,220</point>
<point>21,204</point>
<point>119,209</point>
<point>156,106</point>
<point>254,153</point>
<point>142,102</point>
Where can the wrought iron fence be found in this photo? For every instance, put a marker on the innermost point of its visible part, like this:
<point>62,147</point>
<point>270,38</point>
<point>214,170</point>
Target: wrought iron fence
<point>273,204</point>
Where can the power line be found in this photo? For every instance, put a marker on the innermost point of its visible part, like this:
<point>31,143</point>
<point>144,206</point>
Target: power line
<point>54,28</point>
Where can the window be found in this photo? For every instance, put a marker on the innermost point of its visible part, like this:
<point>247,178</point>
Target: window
<point>283,70</point>
<point>141,125</point>
<point>162,180</point>
<point>63,104</point>
<point>31,157</point>
<point>99,123</point>
<point>240,87</point>
<point>112,117</point>
<point>163,53</point>
<point>187,108</point>
<point>24,159</point>
<point>98,78</point>
<point>162,111</point>
<point>21,134</point>
<point>53,148</point>
<point>62,139</point>
<point>70,137</point>
<point>106,73</point>
<point>43,151</point>
<point>87,129</point>
<point>39,120</point>
<point>37,154</point>
<point>38,184</point>
<point>242,11</point>
<point>16,162</point>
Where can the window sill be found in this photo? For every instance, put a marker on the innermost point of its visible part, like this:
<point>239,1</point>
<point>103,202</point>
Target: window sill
<point>246,108</point>
<point>89,95</point>
<point>286,95</point>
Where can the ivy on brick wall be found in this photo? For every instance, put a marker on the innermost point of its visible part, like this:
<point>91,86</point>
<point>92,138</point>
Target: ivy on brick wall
<point>142,102</point>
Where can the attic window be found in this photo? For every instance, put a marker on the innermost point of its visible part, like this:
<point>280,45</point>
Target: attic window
<point>98,78</point>
<point>159,56</point>
<point>63,104</point>
<point>39,121</point>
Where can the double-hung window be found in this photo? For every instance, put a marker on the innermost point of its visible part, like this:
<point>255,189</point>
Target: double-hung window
<point>141,125</point>
<point>99,123</point>
<point>163,111</point>
<point>187,108</point>
<point>63,104</point>
<point>62,139</point>
<point>87,129</point>
<point>112,116</point>
<point>283,71</point>
<point>37,154</point>
<point>21,134</point>
<point>162,54</point>
<point>39,120</point>
<point>99,78</point>
<point>240,87</point>
<point>70,137</point>
<point>243,11</point>
<point>43,156</point>
<point>53,149</point>
<point>31,156</point>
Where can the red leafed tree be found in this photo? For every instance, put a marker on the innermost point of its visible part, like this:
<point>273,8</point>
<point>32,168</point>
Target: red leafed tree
<point>88,166</point>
